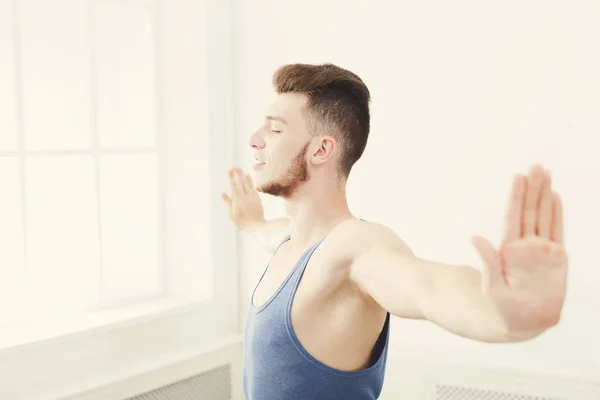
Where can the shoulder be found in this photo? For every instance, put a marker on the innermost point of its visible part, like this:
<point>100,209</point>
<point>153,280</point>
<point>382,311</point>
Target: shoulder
<point>344,248</point>
<point>355,237</point>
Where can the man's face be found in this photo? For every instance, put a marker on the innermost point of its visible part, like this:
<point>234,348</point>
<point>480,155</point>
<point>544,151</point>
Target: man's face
<point>280,146</point>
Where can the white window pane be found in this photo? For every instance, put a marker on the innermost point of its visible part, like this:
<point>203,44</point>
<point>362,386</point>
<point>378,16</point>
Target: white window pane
<point>8,128</point>
<point>125,68</point>
<point>130,223</point>
<point>62,233</point>
<point>56,74</point>
<point>11,242</point>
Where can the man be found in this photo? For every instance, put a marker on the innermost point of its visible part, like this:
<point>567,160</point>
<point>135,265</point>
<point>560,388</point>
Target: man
<point>318,323</point>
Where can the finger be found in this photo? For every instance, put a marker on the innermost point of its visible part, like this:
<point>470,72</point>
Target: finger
<point>233,186</point>
<point>228,204</point>
<point>532,196</point>
<point>557,219</point>
<point>544,218</point>
<point>240,181</point>
<point>514,210</point>
<point>492,271</point>
<point>249,184</point>
<point>226,199</point>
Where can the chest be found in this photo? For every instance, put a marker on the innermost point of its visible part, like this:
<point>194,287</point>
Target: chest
<point>314,273</point>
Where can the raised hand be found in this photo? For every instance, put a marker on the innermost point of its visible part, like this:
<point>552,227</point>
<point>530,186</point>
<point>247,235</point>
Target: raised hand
<point>526,277</point>
<point>243,203</point>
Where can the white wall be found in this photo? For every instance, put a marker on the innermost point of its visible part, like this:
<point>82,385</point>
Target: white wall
<point>464,94</point>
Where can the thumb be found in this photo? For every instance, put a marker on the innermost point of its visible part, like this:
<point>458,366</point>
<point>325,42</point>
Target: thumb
<point>492,268</point>
<point>226,199</point>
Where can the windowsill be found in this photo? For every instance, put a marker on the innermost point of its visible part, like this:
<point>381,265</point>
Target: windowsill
<point>129,350</point>
<point>141,371</point>
<point>95,322</point>
<point>118,345</point>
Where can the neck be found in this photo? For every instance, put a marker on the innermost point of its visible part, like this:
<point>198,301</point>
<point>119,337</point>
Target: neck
<point>315,211</point>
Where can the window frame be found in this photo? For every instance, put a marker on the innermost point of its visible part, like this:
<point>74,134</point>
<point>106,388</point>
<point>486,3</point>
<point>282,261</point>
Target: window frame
<point>178,323</point>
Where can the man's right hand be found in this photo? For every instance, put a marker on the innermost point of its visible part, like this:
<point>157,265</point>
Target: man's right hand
<point>245,210</point>
<point>243,203</point>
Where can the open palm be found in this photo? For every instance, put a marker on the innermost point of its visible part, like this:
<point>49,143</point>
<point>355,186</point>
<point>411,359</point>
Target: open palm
<point>244,206</point>
<point>526,277</point>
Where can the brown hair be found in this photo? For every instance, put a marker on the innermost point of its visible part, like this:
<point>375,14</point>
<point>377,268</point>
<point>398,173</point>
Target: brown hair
<point>338,101</point>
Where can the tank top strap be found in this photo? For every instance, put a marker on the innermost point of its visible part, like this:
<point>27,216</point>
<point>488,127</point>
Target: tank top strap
<point>265,270</point>
<point>301,266</point>
<point>285,239</point>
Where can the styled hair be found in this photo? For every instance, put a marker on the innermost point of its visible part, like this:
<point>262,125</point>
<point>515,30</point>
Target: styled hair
<point>338,102</point>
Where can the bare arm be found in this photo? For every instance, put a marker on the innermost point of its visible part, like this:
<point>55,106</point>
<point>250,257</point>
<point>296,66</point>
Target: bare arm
<point>450,296</point>
<point>271,233</point>
<point>245,210</point>
<point>517,296</point>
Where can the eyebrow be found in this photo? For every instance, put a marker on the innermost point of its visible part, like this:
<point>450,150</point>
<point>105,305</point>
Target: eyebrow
<point>272,118</point>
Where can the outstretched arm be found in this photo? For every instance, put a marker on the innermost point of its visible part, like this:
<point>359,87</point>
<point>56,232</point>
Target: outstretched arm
<point>245,210</point>
<point>270,233</point>
<point>517,296</point>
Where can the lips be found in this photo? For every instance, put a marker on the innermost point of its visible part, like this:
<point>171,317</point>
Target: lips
<point>258,160</point>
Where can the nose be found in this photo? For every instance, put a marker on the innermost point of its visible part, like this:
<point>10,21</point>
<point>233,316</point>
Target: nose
<point>256,141</point>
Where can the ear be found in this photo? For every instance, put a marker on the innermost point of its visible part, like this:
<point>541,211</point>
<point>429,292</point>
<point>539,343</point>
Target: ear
<point>326,146</point>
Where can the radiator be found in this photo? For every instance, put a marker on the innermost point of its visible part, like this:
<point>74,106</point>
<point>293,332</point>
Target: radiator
<point>450,392</point>
<point>477,383</point>
<point>212,385</point>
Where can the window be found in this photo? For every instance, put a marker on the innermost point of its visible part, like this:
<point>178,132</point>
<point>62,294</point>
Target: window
<point>107,168</point>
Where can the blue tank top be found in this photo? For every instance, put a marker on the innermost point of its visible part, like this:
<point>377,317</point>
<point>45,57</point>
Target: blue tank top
<point>277,367</point>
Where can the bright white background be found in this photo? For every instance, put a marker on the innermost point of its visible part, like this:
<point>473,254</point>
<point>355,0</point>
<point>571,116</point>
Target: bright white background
<point>464,95</point>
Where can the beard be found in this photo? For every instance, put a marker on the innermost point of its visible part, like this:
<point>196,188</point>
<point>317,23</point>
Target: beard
<point>291,180</point>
